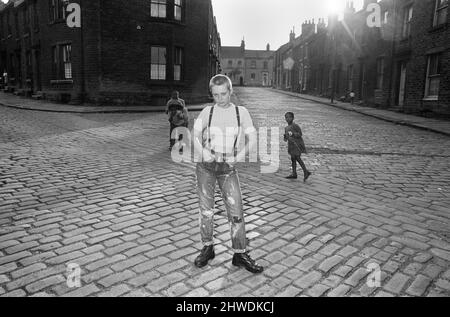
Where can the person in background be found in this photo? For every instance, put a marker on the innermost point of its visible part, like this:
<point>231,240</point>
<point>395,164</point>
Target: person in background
<point>296,146</point>
<point>177,114</point>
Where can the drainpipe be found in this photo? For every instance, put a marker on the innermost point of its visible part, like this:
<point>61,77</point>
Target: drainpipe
<point>83,79</point>
<point>391,73</point>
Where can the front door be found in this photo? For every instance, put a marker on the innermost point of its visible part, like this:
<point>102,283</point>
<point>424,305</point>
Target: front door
<point>363,81</point>
<point>402,84</point>
<point>265,79</point>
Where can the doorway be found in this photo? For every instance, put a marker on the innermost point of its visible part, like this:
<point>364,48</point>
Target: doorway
<point>265,81</point>
<point>401,83</point>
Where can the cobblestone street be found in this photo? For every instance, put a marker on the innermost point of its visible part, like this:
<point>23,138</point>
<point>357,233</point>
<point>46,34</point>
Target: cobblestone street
<point>101,191</point>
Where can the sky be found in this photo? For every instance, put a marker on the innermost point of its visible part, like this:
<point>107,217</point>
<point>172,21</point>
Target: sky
<point>269,21</point>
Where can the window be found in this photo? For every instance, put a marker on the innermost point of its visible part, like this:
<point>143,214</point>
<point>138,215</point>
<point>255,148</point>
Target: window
<point>386,17</point>
<point>440,15</point>
<point>158,64</point>
<point>8,21</point>
<point>26,19</point>
<point>253,64</point>
<point>57,10</point>
<point>230,63</point>
<point>266,65</point>
<point>62,61</point>
<point>306,75</point>
<point>35,15</point>
<point>253,76</point>
<point>55,61</point>
<point>240,63</point>
<point>12,60</point>
<point>433,76</point>
<point>16,20</point>
<point>178,10</point>
<point>178,64</point>
<point>158,8</point>
<point>380,73</point>
<point>407,17</point>
<point>67,60</point>
<point>29,65</point>
<point>19,71</point>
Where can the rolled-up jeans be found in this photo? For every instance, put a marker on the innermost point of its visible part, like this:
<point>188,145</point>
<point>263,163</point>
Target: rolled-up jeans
<point>227,177</point>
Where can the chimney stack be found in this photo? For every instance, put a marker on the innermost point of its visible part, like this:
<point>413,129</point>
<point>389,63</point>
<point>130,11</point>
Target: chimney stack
<point>308,28</point>
<point>292,35</point>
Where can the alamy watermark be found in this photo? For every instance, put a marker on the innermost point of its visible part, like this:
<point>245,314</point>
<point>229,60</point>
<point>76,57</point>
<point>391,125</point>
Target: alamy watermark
<point>263,140</point>
<point>73,275</point>
<point>374,278</point>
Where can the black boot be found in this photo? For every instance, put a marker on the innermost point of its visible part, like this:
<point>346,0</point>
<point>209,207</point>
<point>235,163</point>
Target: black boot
<point>292,176</point>
<point>307,175</point>
<point>206,254</point>
<point>243,259</point>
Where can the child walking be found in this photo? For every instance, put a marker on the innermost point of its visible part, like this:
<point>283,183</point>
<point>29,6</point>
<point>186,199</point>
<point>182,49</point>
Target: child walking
<point>177,114</point>
<point>296,146</point>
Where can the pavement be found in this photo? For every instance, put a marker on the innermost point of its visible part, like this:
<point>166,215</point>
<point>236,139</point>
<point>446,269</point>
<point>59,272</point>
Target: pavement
<point>13,101</point>
<point>96,196</point>
<point>439,126</point>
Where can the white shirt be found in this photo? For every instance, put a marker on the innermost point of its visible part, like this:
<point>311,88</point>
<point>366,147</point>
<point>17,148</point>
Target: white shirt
<point>224,127</point>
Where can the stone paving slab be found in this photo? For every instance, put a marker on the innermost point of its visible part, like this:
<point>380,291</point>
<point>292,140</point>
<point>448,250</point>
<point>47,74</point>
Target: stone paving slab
<point>439,126</point>
<point>12,101</point>
<point>102,193</point>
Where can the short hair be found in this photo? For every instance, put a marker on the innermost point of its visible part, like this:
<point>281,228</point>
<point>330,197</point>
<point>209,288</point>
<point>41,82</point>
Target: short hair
<point>175,94</point>
<point>220,80</point>
<point>290,114</point>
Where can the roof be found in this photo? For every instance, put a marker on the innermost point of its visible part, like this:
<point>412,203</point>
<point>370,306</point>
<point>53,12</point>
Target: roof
<point>231,52</point>
<point>14,3</point>
<point>258,54</point>
<point>284,48</point>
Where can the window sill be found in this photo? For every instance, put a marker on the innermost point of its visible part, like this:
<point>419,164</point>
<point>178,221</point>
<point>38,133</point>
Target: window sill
<point>432,98</point>
<point>58,21</point>
<point>61,81</point>
<point>405,40</point>
<point>438,28</point>
<point>167,20</point>
<point>167,82</point>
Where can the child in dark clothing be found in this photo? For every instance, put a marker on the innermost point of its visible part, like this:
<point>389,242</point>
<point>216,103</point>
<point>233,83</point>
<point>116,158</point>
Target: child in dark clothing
<point>296,146</point>
<point>177,114</point>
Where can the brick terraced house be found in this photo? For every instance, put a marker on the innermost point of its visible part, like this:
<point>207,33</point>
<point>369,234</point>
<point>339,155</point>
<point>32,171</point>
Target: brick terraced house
<point>404,64</point>
<point>125,52</point>
<point>248,67</point>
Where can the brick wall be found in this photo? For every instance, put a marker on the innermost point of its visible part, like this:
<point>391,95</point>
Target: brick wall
<point>111,53</point>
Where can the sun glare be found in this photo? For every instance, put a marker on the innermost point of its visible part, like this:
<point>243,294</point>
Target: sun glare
<point>335,6</point>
